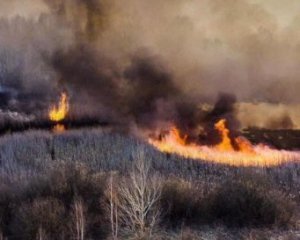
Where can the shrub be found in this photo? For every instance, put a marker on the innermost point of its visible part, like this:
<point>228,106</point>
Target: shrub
<point>6,205</point>
<point>241,201</point>
<point>245,203</point>
<point>45,215</point>
<point>181,202</point>
<point>55,193</point>
<point>72,181</point>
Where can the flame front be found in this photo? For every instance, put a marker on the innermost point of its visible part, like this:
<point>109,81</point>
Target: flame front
<point>58,113</point>
<point>224,152</point>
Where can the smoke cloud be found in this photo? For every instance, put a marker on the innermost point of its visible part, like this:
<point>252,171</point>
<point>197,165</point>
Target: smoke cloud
<point>150,62</point>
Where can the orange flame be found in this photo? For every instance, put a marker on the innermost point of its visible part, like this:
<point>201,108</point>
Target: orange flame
<point>58,128</point>
<point>244,145</point>
<point>225,144</point>
<point>245,155</point>
<point>241,143</point>
<point>58,113</point>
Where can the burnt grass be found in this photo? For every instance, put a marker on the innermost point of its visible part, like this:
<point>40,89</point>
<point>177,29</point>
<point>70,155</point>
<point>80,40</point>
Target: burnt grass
<point>41,174</point>
<point>288,139</point>
<point>9,126</point>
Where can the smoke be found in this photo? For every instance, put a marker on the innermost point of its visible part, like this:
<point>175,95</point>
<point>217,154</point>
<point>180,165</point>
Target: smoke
<point>150,62</point>
<point>268,115</point>
<point>224,108</point>
<point>24,8</point>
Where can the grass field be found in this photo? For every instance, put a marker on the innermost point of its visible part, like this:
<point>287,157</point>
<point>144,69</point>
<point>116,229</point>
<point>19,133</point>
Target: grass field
<point>48,179</point>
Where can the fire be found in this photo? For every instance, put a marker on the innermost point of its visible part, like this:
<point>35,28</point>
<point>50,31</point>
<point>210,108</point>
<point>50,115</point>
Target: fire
<point>245,153</point>
<point>58,113</point>
<point>241,143</point>
<point>58,128</point>
<point>225,144</point>
<point>172,140</point>
<point>244,145</point>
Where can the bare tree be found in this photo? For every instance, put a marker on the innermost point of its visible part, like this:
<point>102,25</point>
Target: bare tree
<point>113,208</point>
<point>138,198</point>
<point>79,219</point>
<point>41,235</point>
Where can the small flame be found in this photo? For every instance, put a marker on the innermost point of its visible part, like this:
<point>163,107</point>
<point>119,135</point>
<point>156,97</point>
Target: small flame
<point>58,113</point>
<point>173,139</point>
<point>58,128</point>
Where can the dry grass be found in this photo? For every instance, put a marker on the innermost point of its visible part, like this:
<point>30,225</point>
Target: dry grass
<point>42,169</point>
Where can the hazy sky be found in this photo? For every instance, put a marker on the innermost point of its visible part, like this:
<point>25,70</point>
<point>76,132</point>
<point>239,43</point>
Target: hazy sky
<point>284,10</point>
<point>24,8</point>
<point>249,47</point>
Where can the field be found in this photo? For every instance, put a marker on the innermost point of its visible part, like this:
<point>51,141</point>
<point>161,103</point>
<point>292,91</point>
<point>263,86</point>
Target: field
<point>97,184</point>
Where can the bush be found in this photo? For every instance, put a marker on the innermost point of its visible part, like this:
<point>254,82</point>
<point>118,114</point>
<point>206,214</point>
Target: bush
<point>245,203</point>
<point>72,181</point>
<point>238,202</point>
<point>181,203</point>
<point>46,215</point>
<point>45,205</point>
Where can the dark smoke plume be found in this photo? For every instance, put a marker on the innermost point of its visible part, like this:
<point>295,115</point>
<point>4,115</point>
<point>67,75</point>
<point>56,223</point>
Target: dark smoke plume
<point>224,108</point>
<point>149,86</point>
<point>149,62</point>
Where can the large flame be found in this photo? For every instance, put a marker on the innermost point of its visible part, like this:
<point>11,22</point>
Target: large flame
<point>225,144</point>
<point>58,113</point>
<point>246,154</point>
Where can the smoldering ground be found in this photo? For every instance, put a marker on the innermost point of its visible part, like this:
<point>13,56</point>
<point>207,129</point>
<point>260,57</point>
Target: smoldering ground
<point>147,62</point>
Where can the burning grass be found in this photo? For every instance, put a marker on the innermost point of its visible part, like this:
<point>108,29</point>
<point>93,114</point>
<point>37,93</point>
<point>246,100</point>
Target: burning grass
<point>59,113</point>
<point>244,154</point>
